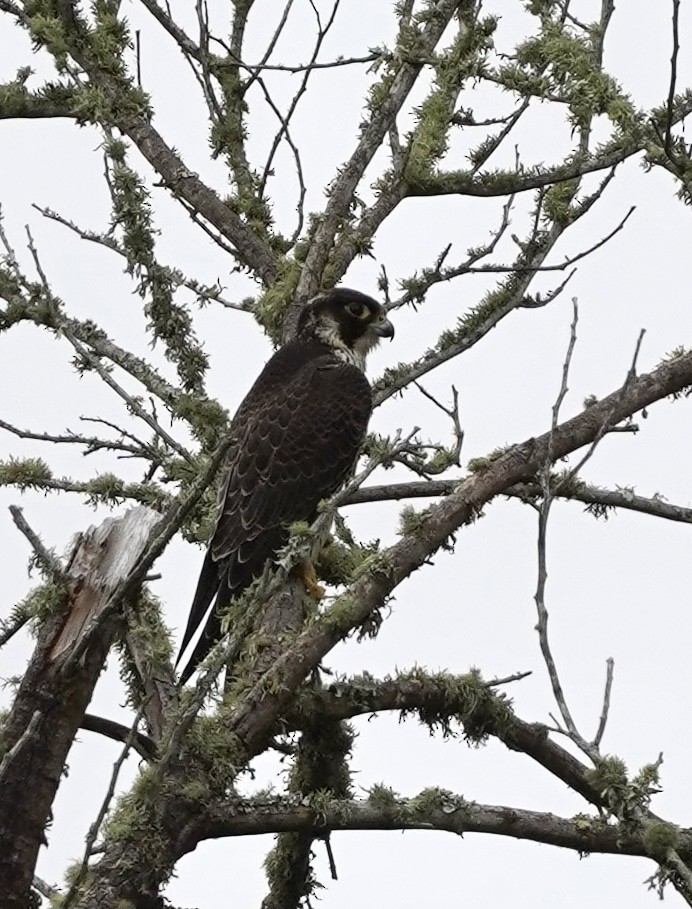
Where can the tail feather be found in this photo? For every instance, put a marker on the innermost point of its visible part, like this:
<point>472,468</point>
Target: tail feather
<point>207,589</point>
<point>211,634</point>
<point>219,581</point>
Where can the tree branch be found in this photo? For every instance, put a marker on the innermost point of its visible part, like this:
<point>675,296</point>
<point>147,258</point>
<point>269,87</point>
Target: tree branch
<point>129,114</point>
<point>256,712</point>
<point>18,103</point>
<point>599,500</point>
<point>49,704</point>
<point>142,744</point>
<point>486,184</point>
<point>438,700</point>
<point>432,809</point>
<point>400,83</point>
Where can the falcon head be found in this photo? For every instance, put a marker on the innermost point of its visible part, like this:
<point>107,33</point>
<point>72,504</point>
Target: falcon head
<point>349,322</point>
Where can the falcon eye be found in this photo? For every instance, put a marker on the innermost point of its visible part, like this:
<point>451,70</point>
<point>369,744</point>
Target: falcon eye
<point>358,310</point>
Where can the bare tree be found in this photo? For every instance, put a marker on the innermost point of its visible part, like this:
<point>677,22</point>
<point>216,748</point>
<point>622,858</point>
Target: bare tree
<point>434,92</point>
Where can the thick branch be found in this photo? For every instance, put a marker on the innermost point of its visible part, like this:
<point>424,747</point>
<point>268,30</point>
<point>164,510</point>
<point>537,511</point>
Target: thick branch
<point>594,496</point>
<point>438,700</point>
<point>255,253</point>
<point>50,704</point>
<point>256,713</point>
<point>141,743</point>
<point>432,809</point>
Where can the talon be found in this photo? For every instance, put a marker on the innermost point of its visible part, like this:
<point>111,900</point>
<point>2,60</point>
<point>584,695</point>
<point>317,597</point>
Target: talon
<point>306,573</point>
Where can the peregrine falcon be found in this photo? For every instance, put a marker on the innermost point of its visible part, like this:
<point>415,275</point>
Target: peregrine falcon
<point>293,442</point>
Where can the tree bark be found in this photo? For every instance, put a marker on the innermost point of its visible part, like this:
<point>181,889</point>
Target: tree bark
<point>55,692</point>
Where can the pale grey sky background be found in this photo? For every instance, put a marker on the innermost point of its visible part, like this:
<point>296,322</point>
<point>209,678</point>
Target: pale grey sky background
<point>619,588</point>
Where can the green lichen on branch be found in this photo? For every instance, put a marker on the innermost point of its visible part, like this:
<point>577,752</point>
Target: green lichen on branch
<point>150,639</point>
<point>660,837</point>
<point>670,357</point>
<point>668,150</point>
<point>477,465</point>
<point>110,39</point>
<point>441,701</point>
<point>340,563</point>
<point>626,798</point>
<point>412,520</point>
<point>103,489</point>
<point>461,61</point>
<point>382,797</point>
<point>207,418</point>
<point>137,820</point>
<point>228,137</point>
<point>464,699</point>
<point>169,321</point>
<point>428,802</point>
<point>48,599</point>
<point>101,46</point>
<point>142,831</point>
<point>561,63</point>
<point>589,824</point>
<point>25,473</point>
<point>432,800</point>
<point>320,775</point>
<point>212,759</point>
<point>271,307</point>
<point>52,99</point>
<point>48,31</point>
<point>345,616</point>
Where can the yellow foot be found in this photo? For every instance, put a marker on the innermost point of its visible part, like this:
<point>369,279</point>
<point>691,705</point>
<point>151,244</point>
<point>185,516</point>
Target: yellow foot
<point>306,573</point>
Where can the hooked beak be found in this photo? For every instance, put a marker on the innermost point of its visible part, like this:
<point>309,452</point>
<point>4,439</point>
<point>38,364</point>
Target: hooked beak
<point>383,328</point>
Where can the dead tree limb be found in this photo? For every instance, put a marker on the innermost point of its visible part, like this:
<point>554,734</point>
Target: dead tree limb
<point>54,693</point>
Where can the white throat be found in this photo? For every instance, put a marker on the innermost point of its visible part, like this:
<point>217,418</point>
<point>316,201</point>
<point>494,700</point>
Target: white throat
<point>353,356</point>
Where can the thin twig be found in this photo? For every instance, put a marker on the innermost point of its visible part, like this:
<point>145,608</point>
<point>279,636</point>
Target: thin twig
<point>516,677</point>
<point>47,890</point>
<point>15,752</point>
<point>46,559</point>
<point>263,63</point>
<point>330,857</point>
<point>437,274</point>
<point>103,810</point>
<point>453,413</point>
<point>544,511</point>
<point>303,67</point>
<point>670,106</point>
<point>321,35</point>
<point>632,374</point>
<point>92,443</point>
<point>610,666</point>
<point>13,625</point>
<point>604,429</point>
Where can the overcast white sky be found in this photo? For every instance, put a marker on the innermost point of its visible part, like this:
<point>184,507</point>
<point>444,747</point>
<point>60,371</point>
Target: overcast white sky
<point>618,588</point>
